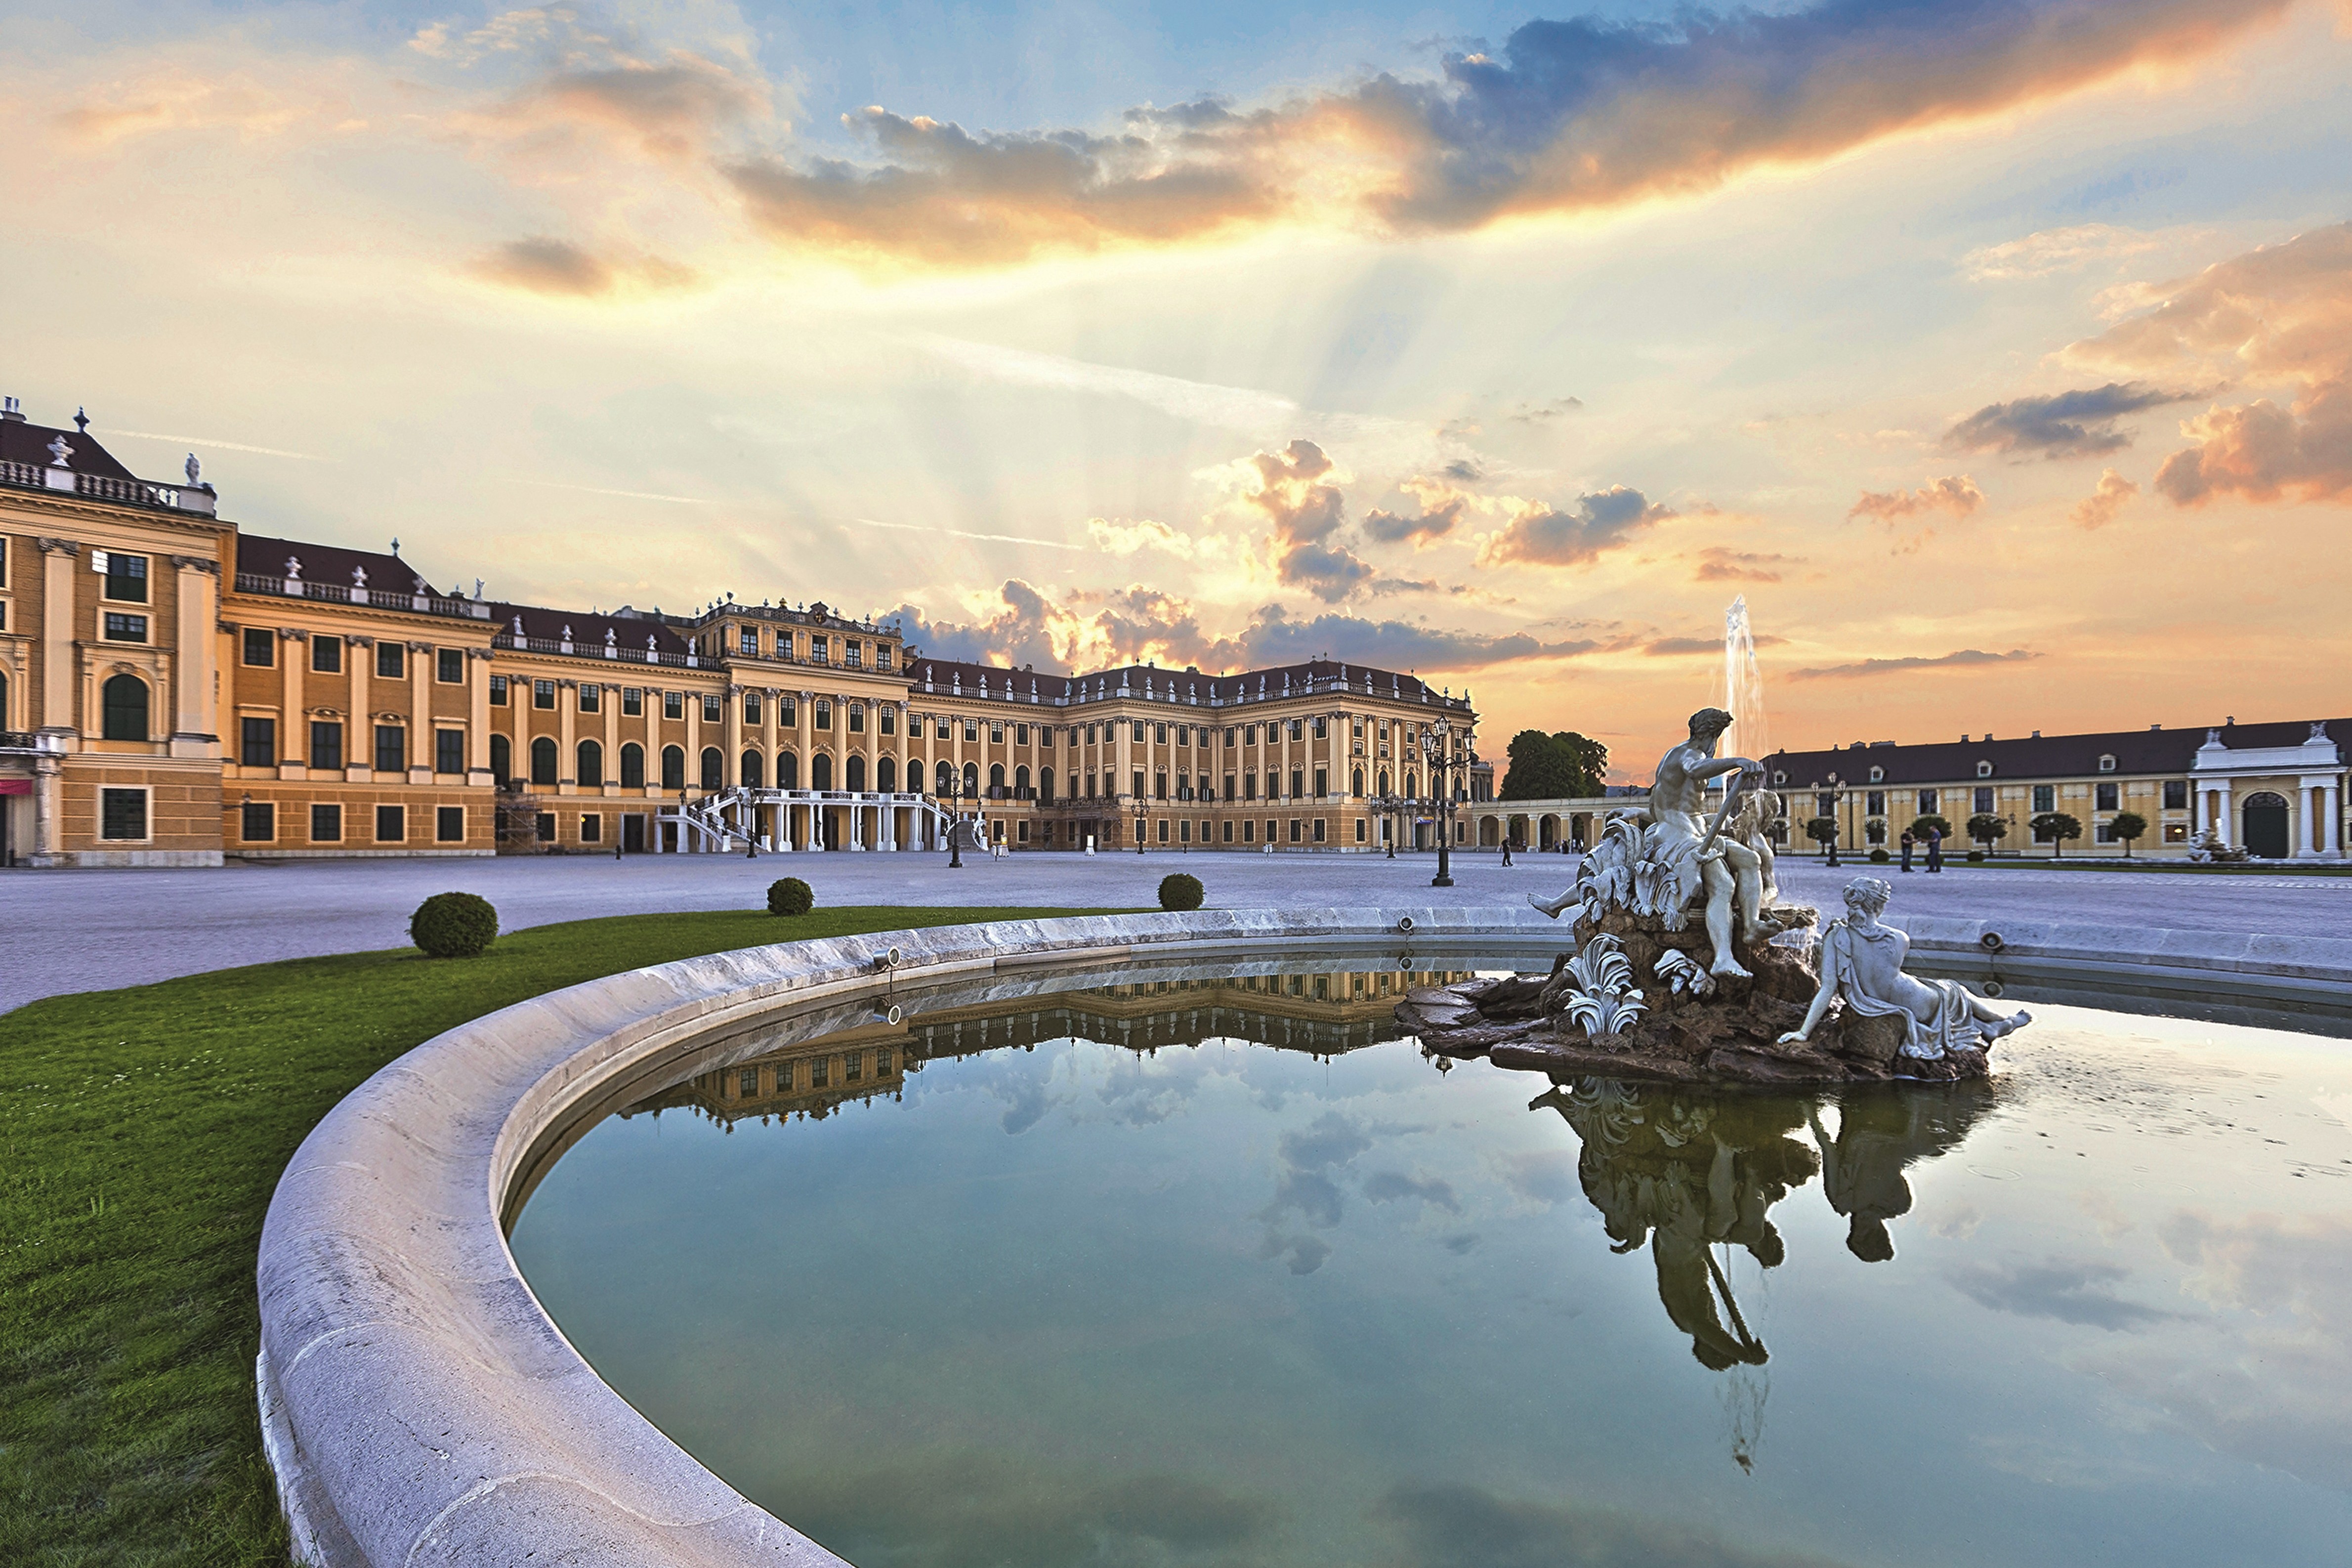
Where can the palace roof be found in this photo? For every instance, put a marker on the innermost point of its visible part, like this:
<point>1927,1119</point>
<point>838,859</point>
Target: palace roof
<point>2165,752</point>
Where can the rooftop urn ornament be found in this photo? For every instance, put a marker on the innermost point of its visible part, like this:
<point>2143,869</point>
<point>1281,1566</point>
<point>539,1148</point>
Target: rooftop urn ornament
<point>293,568</point>
<point>194,468</point>
<point>81,420</point>
<point>611,639</point>
<point>518,625</point>
<point>359,576</point>
<point>649,642</point>
<point>60,450</point>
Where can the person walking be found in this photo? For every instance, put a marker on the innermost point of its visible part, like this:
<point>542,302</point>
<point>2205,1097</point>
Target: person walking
<point>1935,849</point>
<point>1506,851</point>
<point>1907,851</point>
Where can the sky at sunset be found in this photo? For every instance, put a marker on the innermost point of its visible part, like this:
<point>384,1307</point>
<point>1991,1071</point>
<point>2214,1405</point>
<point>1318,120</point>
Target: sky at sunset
<point>1999,352</point>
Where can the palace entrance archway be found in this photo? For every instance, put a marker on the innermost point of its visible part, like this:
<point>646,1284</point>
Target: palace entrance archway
<point>2266,825</point>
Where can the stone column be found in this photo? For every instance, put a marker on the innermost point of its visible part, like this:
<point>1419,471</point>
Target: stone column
<point>360,652</point>
<point>46,822</point>
<point>2225,799</point>
<point>693,757</point>
<point>293,740</point>
<point>2331,827</point>
<point>2306,841</point>
<point>56,704</point>
<point>731,765</point>
<point>197,688</point>
<point>609,699</point>
<point>424,662</point>
<point>567,716</point>
<point>478,716</point>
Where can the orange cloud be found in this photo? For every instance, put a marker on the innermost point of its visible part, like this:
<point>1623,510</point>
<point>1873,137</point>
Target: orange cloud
<point>2280,313</point>
<point>2099,508</point>
<point>1954,493</point>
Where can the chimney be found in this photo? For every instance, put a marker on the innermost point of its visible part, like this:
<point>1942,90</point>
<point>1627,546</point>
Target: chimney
<point>11,409</point>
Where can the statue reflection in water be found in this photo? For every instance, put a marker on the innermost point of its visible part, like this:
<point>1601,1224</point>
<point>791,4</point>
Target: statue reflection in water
<point>1693,1172</point>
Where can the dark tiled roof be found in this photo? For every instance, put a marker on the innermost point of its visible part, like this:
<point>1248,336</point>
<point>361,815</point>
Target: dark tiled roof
<point>22,442</point>
<point>587,631</point>
<point>2162,752</point>
<point>1055,686</point>
<point>266,557</point>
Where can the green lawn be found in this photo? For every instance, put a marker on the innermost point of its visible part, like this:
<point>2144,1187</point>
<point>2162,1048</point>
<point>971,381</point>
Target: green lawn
<point>141,1134</point>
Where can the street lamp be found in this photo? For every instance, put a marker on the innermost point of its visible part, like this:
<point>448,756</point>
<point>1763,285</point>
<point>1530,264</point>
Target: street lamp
<point>1139,823</point>
<point>1436,751</point>
<point>955,822</point>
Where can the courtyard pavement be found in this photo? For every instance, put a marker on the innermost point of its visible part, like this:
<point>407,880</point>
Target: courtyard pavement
<point>92,931</point>
<point>72,932</point>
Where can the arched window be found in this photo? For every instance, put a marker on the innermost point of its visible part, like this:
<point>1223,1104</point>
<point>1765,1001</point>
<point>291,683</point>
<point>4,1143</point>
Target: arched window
<point>853,773</point>
<point>501,760</point>
<point>885,776</point>
<point>592,765</point>
<point>542,761</point>
<point>672,767</point>
<point>1021,783</point>
<point>632,765</point>
<point>753,770</point>
<point>1356,782</point>
<point>971,778</point>
<point>3,700</point>
<point>996,779</point>
<point>714,769</point>
<point>1045,783</point>
<point>788,771</point>
<point>1384,784</point>
<point>946,777</point>
<point>124,701</point>
<point>821,770</point>
<point>1412,786</point>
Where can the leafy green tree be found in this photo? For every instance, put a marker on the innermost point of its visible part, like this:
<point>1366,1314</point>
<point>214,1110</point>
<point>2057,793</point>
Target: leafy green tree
<point>1824,831</point>
<point>1988,829</point>
<point>2056,828</point>
<point>1552,767</point>
<point>2128,826</point>
<point>1920,825</point>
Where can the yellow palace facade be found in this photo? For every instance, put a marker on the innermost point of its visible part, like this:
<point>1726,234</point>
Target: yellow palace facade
<point>174,690</point>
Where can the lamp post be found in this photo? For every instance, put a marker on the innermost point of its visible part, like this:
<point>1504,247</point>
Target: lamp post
<point>1436,742</point>
<point>955,823</point>
<point>1140,820</point>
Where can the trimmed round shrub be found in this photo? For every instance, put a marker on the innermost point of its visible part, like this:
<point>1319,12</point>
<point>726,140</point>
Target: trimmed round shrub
<point>1976,854</point>
<point>454,925</point>
<point>1179,892</point>
<point>1879,856</point>
<point>790,896</point>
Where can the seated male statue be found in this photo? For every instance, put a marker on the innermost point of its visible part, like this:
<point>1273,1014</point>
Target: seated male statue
<point>1861,961</point>
<point>1675,831</point>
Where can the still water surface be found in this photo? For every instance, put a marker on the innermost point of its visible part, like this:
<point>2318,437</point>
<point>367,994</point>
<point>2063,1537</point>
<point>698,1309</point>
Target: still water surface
<point>1142,1288</point>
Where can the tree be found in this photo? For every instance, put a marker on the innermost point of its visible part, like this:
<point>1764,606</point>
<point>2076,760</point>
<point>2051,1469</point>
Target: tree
<point>1565,766</point>
<point>1920,825</point>
<point>2128,826</point>
<point>1824,831</point>
<point>1988,829</point>
<point>2054,828</point>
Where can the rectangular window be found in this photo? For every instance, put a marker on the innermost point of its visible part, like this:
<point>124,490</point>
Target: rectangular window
<point>449,824</point>
<point>1293,830</point>
<point>591,697</point>
<point>857,718</point>
<point>260,646</point>
<point>591,829</point>
<point>1138,731</point>
<point>448,751</point>
<point>853,1067</point>
<point>1927,802</point>
<point>542,695</point>
<point>1249,787</point>
<point>1322,781</point>
<point>126,579</point>
<point>391,749</point>
<point>1297,783</point>
<point>750,642</point>
<point>1318,830</point>
<point>633,701</point>
<point>789,711</point>
<point>326,655</point>
<point>750,707</point>
<point>257,822</point>
<point>2106,798</point>
<point>881,1061</point>
<point>452,665</point>
<point>326,824</point>
<point>121,627</point>
<point>821,716</point>
<point>1875,802</point>
<point>2045,797</point>
<point>1139,783</point>
<point>1825,803</point>
<point>257,743</point>
<point>545,827</point>
<point>820,1071</point>
<point>1296,732</point>
<point>497,691</point>
<point>856,656</point>
<point>784,1078</point>
<point>2176,794</point>
<point>1249,832</point>
<point>1184,832</point>
<point>673,704</point>
<point>820,649</point>
<point>889,720</point>
<point>1320,731</point>
<point>996,731</point>
<point>326,744</point>
<point>939,728</point>
<point>1229,829</point>
<point>391,660</point>
<point>122,812</point>
<point>2103,832</point>
<point>971,730</point>
<point>1360,830</point>
<point>1983,802</point>
<point>1159,785</point>
<point>881,656</point>
<point>710,708</point>
<point>1020,735</point>
<point>391,823</point>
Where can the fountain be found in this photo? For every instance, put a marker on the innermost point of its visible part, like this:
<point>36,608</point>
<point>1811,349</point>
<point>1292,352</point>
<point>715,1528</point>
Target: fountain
<point>1751,995</point>
<point>1743,686</point>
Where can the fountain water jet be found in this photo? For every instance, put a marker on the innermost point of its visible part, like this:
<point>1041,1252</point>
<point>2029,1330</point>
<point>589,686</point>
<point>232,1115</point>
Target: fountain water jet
<point>1743,687</point>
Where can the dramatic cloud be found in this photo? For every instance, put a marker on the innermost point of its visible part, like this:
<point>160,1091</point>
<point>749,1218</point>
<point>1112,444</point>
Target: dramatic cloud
<point>1718,565</point>
<point>1124,538</point>
<point>1297,491</point>
<point>1274,637</point>
<point>1677,648</point>
<point>1955,493</point>
<point>1441,508</point>
<point>2279,314</point>
<point>672,109</point>
<point>1965,656</point>
<point>1568,116</point>
<point>2068,424</point>
<point>2099,508</point>
<point>1545,536</point>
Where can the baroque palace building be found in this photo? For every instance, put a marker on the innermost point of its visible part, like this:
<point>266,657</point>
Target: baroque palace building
<point>173,690</point>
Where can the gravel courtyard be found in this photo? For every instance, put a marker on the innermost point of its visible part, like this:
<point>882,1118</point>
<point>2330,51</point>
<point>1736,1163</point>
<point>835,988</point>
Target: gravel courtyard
<point>89,931</point>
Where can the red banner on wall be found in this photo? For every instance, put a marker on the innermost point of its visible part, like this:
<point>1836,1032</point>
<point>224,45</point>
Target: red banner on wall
<point>16,786</point>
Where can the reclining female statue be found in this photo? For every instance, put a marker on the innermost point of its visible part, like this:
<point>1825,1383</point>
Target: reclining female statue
<point>1861,961</point>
